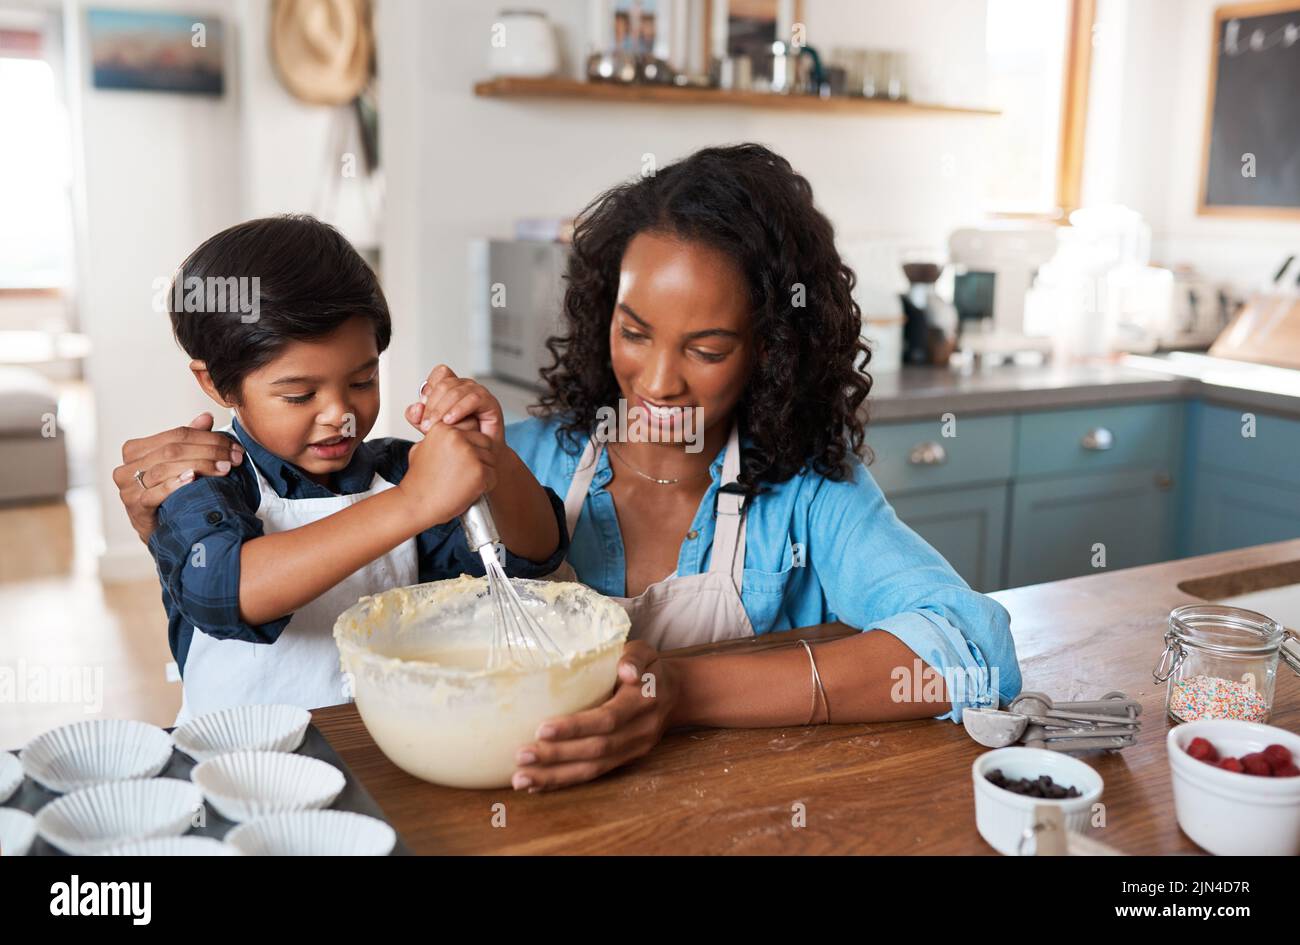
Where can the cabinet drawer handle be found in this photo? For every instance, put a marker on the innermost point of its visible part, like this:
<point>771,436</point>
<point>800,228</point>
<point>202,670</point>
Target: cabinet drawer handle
<point>928,453</point>
<point>1098,438</point>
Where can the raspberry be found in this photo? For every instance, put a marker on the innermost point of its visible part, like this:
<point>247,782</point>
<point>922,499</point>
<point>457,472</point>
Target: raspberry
<point>1232,764</point>
<point>1277,755</point>
<point>1255,763</point>
<point>1202,750</point>
<point>1287,770</point>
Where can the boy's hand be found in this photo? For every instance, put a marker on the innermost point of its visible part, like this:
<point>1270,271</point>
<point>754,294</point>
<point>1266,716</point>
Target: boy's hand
<point>447,398</point>
<point>449,469</point>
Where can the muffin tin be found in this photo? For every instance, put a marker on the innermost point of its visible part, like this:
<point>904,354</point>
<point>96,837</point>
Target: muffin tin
<point>32,797</point>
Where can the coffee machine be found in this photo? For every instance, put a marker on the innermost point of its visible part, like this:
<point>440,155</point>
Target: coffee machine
<point>994,266</point>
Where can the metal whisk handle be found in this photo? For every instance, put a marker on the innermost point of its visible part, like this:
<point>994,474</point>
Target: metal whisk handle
<point>479,527</point>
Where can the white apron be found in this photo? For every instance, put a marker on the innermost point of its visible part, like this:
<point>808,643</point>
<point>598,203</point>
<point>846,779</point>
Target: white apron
<point>682,611</point>
<point>302,666</point>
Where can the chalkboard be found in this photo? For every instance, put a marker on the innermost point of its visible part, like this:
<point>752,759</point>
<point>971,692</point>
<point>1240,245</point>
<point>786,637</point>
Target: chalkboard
<point>1251,163</point>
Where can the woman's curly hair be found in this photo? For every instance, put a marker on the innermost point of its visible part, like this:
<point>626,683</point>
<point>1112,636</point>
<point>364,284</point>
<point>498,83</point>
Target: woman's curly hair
<point>803,404</point>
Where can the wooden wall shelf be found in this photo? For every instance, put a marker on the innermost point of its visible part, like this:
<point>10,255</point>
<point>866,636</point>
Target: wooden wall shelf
<point>673,95</point>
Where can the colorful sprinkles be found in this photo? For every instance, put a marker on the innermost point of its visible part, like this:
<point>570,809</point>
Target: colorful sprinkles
<point>1209,697</point>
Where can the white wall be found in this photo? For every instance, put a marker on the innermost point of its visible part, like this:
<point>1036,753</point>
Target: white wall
<point>461,167</point>
<point>1145,130</point>
<point>160,175</point>
<point>290,151</point>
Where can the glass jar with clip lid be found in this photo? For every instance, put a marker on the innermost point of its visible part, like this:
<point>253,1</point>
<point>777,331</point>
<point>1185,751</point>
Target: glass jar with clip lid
<point>1221,662</point>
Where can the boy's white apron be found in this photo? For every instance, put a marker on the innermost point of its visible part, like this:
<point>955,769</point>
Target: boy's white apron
<point>686,610</point>
<point>302,666</point>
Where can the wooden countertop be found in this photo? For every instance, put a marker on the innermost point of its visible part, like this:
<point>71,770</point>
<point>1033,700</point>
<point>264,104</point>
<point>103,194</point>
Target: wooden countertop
<point>900,787</point>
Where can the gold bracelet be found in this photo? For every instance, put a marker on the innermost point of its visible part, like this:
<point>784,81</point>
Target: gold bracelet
<point>819,691</point>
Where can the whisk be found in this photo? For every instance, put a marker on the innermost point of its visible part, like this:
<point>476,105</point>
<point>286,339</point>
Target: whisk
<point>517,638</point>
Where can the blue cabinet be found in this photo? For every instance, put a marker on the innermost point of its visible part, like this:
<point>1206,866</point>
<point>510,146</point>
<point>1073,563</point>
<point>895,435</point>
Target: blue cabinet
<point>1095,488</point>
<point>948,483</point>
<point>1039,496</point>
<point>1245,479</point>
<point>966,526</point>
<point>927,455</point>
<point>1229,512</point>
<point>1072,525</point>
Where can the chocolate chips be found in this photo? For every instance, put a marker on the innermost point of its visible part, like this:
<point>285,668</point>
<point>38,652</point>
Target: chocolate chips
<point>1042,786</point>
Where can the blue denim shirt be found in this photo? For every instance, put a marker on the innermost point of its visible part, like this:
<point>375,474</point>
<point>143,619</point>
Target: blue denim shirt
<point>219,513</point>
<point>816,551</point>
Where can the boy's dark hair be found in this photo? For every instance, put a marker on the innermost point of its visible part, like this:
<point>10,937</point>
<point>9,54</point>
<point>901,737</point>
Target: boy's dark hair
<point>309,281</point>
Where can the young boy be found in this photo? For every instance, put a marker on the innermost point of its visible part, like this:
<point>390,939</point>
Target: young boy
<point>285,324</point>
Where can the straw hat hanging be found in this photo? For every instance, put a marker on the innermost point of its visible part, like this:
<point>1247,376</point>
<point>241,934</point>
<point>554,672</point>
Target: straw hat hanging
<point>322,49</point>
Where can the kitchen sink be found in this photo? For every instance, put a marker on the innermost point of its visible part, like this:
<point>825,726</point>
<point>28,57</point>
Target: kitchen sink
<point>1273,590</point>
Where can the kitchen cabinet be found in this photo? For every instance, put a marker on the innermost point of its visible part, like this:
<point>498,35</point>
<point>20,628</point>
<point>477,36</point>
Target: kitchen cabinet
<point>1096,439</point>
<point>1072,525</point>
<point>912,457</point>
<point>948,482</point>
<point>1245,479</point>
<point>967,526</point>
<point>1230,512</point>
<point>1094,488</point>
<point>1038,496</point>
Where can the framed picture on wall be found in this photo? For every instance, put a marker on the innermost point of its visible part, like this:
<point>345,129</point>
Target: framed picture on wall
<point>156,52</point>
<point>750,27</point>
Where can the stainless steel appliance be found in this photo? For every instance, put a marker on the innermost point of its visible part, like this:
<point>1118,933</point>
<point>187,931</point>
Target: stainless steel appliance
<point>525,292</point>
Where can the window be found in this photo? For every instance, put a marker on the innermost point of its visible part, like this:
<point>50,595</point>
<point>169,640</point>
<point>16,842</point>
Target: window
<point>1038,61</point>
<point>35,168</point>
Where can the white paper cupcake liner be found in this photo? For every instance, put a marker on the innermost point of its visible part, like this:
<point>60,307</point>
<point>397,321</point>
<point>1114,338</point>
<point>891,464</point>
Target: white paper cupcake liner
<point>314,833</point>
<point>245,785</point>
<point>11,775</point>
<point>174,846</point>
<point>96,751</point>
<point>96,818</point>
<point>243,728</point>
<point>17,831</point>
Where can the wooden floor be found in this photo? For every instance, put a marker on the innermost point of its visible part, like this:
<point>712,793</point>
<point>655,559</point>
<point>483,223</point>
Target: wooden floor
<point>72,647</point>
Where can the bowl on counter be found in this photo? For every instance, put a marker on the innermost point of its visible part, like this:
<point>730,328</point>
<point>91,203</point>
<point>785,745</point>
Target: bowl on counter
<point>417,657</point>
<point>1232,814</point>
<point>1005,819</point>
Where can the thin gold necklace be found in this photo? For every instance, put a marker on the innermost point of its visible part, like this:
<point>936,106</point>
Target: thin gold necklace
<point>646,475</point>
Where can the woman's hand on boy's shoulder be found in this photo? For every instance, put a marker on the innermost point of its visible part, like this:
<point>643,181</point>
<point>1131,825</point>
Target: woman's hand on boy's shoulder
<point>447,398</point>
<point>166,461</point>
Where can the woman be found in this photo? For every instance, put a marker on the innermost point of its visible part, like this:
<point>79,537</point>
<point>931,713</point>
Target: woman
<point>713,290</point>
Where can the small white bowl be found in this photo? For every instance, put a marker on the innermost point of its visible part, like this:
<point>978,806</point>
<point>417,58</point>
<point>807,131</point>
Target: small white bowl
<point>174,846</point>
<point>17,831</point>
<point>314,833</point>
<point>245,785</point>
<point>94,819</point>
<point>11,775</point>
<point>243,728</point>
<point>96,751</point>
<point>1003,816</point>
<point>1227,813</point>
